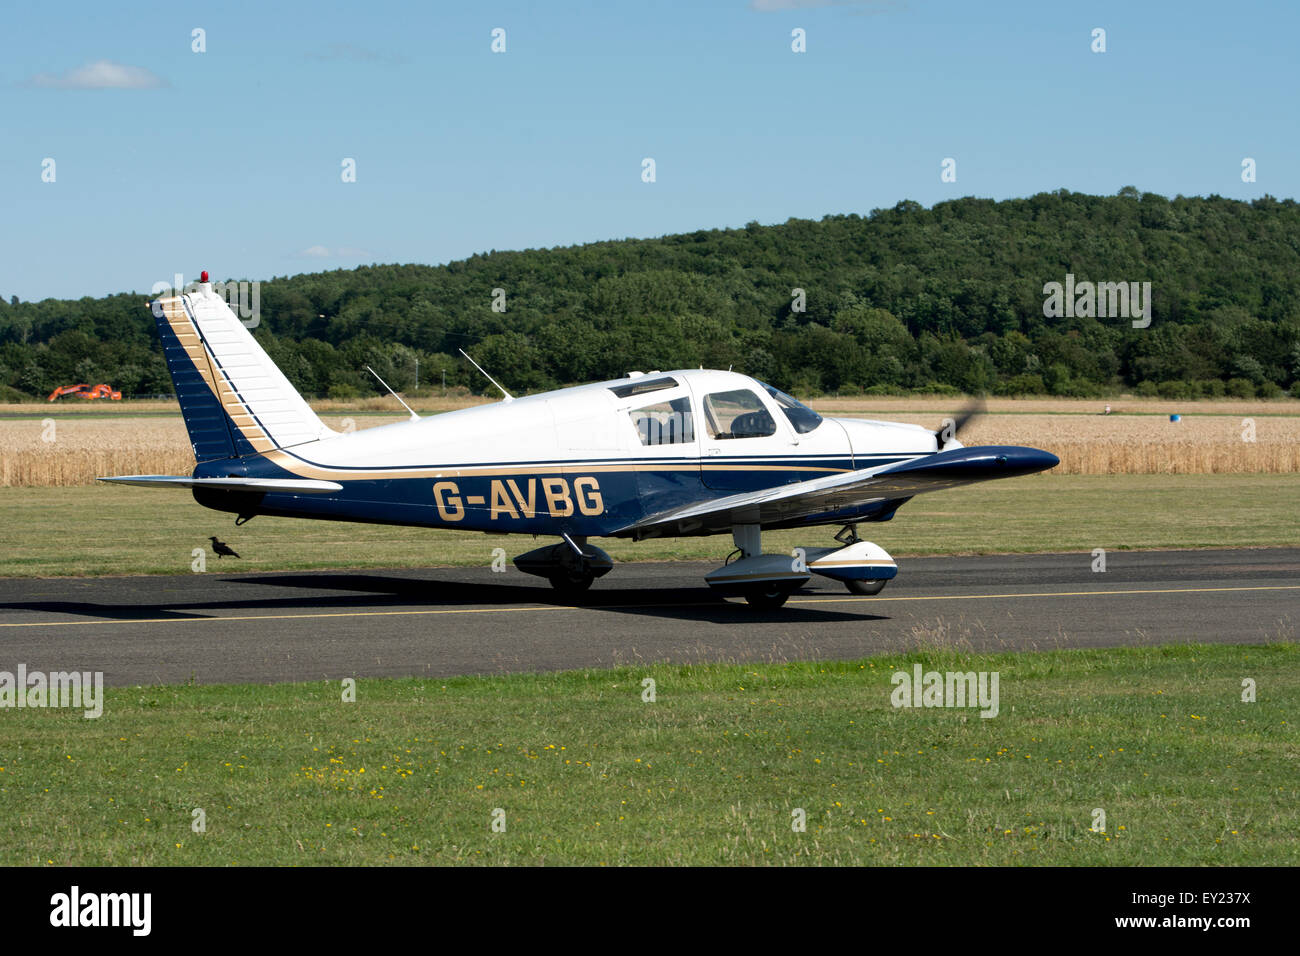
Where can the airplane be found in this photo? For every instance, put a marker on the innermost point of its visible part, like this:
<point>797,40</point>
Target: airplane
<point>654,454</point>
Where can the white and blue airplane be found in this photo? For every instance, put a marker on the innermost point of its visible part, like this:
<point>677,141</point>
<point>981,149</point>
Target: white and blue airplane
<point>655,454</point>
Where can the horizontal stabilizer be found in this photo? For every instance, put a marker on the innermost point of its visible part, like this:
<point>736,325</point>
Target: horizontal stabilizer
<point>292,486</point>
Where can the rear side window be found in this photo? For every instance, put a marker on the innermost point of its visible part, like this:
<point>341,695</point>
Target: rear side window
<point>664,423</point>
<point>737,414</point>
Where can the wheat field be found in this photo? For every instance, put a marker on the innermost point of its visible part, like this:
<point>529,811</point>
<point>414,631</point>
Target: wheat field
<point>61,450</point>
<point>1144,445</point>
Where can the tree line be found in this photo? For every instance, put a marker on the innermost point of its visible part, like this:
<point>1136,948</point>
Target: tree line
<point>949,298</point>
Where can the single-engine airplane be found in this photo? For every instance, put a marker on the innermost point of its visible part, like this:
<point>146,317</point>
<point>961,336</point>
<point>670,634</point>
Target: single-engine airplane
<point>685,452</point>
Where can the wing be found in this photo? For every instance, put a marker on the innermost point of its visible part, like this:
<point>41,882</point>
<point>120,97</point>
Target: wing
<point>825,497</point>
<point>296,486</point>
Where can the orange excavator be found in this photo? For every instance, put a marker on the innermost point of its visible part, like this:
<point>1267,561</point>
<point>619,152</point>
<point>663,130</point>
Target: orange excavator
<point>88,392</point>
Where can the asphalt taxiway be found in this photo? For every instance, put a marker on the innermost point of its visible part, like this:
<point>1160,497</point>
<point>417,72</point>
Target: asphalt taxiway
<point>269,627</point>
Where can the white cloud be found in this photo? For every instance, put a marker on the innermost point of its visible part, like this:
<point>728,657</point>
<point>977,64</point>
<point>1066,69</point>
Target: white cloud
<point>100,75</point>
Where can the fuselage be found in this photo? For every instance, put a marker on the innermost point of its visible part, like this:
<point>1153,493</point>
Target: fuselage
<point>593,460</point>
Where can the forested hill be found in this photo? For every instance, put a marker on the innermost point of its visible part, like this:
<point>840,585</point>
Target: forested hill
<point>903,298</point>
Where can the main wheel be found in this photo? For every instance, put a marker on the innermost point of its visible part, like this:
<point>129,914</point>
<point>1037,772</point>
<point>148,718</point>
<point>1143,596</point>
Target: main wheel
<point>766,597</point>
<point>571,582</point>
<point>866,587</point>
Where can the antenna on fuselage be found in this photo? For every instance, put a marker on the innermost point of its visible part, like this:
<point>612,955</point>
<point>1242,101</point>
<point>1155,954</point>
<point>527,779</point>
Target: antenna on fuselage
<point>509,397</point>
<point>414,416</point>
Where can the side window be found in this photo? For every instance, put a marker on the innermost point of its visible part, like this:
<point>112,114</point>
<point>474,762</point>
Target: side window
<point>738,414</point>
<point>664,423</point>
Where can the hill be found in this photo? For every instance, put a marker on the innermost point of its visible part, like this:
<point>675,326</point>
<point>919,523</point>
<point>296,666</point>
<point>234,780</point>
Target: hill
<point>950,297</point>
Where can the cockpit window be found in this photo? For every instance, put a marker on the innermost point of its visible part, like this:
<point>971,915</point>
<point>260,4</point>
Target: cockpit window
<point>664,423</point>
<point>803,418</point>
<point>737,414</point>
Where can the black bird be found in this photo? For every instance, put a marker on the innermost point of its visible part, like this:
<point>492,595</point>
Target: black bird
<point>220,547</point>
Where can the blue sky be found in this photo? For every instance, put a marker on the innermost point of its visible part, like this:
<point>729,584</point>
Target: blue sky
<point>230,160</point>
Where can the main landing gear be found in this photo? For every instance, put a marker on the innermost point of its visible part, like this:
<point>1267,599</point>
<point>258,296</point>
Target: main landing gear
<point>570,566</point>
<point>766,597</point>
<point>766,581</point>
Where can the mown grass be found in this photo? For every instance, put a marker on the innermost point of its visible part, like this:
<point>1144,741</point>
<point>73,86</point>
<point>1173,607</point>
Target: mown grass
<point>587,772</point>
<point>126,530</point>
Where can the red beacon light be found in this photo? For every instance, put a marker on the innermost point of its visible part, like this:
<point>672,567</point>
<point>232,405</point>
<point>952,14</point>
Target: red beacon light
<point>203,277</point>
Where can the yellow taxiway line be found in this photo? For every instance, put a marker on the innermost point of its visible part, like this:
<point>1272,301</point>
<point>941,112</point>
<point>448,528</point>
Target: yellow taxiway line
<point>614,607</point>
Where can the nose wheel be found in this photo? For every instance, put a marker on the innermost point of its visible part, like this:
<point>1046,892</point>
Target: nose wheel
<point>865,587</point>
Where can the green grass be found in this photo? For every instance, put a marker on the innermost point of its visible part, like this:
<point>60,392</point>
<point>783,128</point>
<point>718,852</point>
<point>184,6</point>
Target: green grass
<point>709,773</point>
<point>126,530</point>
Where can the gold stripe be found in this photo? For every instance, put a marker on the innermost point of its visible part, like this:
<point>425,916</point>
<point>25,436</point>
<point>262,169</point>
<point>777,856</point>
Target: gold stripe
<point>707,467</point>
<point>452,472</point>
<point>823,562</point>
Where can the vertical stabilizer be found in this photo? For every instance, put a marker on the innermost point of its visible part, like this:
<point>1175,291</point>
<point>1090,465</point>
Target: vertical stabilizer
<point>234,399</point>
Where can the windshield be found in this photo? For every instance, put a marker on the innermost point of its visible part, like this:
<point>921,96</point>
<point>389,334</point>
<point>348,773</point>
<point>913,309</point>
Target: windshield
<point>803,418</point>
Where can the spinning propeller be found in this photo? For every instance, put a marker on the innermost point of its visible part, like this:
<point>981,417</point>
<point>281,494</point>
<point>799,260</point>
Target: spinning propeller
<point>952,426</point>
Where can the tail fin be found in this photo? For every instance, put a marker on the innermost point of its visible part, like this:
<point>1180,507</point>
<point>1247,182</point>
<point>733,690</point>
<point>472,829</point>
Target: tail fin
<point>234,399</point>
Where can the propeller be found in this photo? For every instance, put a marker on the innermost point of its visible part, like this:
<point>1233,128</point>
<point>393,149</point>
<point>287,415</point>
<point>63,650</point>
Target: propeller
<point>952,426</point>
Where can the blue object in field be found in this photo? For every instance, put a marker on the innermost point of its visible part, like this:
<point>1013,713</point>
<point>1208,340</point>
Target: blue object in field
<point>1175,418</point>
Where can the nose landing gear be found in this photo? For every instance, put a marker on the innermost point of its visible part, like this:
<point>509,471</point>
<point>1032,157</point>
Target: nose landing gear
<point>865,587</point>
<point>766,581</point>
<point>864,568</point>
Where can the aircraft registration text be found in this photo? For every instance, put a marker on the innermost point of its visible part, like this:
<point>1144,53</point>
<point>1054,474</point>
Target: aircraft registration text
<point>508,498</point>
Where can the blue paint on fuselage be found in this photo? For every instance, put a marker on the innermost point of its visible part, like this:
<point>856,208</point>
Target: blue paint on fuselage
<point>496,502</point>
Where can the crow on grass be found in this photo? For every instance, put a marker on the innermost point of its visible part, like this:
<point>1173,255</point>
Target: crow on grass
<point>221,548</point>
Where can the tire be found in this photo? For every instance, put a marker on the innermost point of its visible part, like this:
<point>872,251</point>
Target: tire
<point>571,583</point>
<point>766,597</point>
<point>866,587</point>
